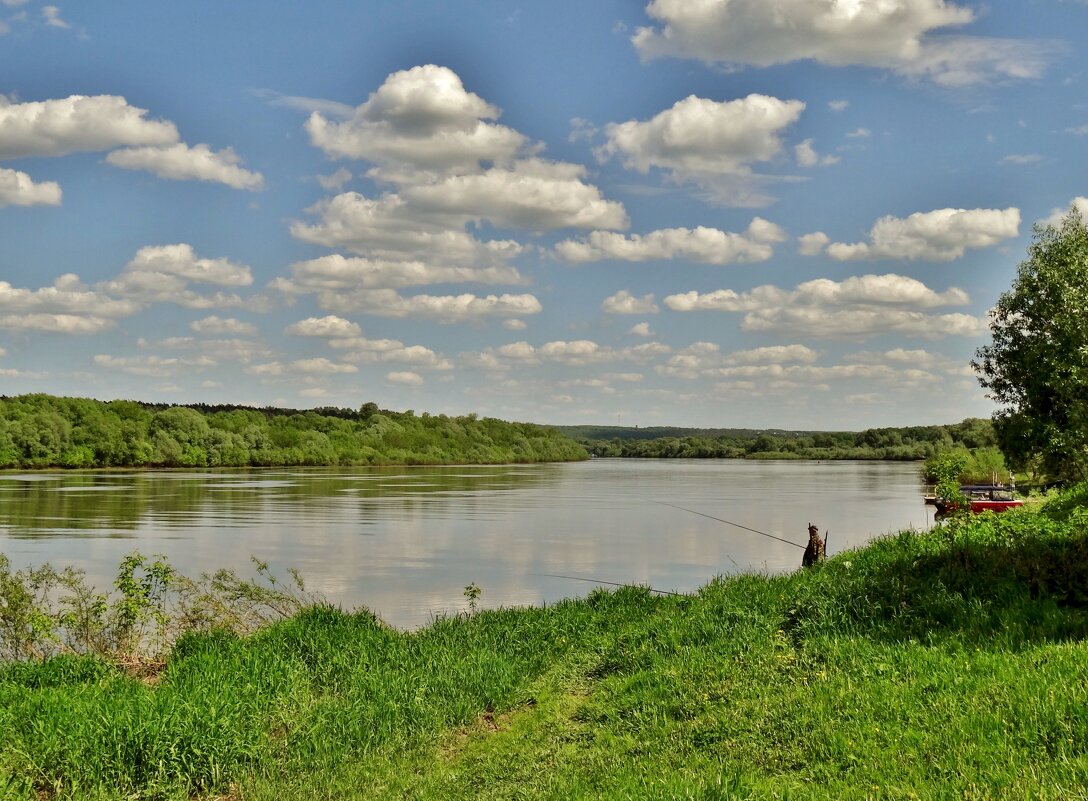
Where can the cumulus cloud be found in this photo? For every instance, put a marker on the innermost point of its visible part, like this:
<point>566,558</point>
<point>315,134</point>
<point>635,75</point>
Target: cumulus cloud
<point>219,325</point>
<point>939,235</point>
<point>641,330</point>
<point>701,244</point>
<point>465,307</point>
<point>1058,214</point>
<point>533,194</point>
<point>623,302</point>
<point>808,157</point>
<point>336,180</point>
<point>389,228</point>
<point>68,306</point>
<point>181,260</point>
<point>301,367</point>
<point>328,326</point>
<point>423,117</point>
<point>906,36</point>
<point>405,378</point>
<point>77,124</point>
<point>572,353</point>
<point>449,166</point>
<point>150,366</point>
<point>163,274</point>
<point>18,189</point>
<point>855,307</point>
<point>812,244</point>
<point>712,144</point>
<point>335,274</point>
<point>180,162</point>
<point>51,16</point>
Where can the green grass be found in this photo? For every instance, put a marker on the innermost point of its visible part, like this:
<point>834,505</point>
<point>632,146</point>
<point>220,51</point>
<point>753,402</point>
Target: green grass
<point>950,664</point>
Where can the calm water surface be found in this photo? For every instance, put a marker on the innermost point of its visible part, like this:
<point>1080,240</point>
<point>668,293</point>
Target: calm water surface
<point>405,541</point>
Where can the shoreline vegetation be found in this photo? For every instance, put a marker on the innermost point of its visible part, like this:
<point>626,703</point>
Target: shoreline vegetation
<point>925,665</point>
<point>41,431</point>
<point>45,431</point>
<point>909,443</point>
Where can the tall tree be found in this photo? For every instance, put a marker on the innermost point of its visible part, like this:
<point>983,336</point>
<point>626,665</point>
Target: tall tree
<point>1037,366</point>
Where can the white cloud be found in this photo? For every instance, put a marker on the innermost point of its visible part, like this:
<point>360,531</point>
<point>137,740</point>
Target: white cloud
<point>855,307</point>
<point>939,235</point>
<point>423,117</point>
<point>77,124</point>
<point>623,302</point>
<point>220,325</point>
<point>301,367</point>
<point>890,34</point>
<point>152,366</point>
<point>1058,214</point>
<point>162,274</point>
<point>443,308</point>
<point>812,244</point>
<point>336,274</point>
<point>405,378</point>
<point>774,354</point>
<point>860,133</point>
<point>641,330</point>
<point>572,353</point>
<point>514,324</point>
<point>181,260</point>
<point>388,228</point>
<point>1021,159</point>
<point>710,143</point>
<point>330,108</point>
<point>18,189</point>
<point>449,167</point>
<point>532,194</point>
<point>180,162</point>
<point>333,182</point>
<point>838,105</point>
<point>51,16</point>
<point>706,245</point>
<point>328,326</point>
<point>808,157</point>
<point>56,323</point>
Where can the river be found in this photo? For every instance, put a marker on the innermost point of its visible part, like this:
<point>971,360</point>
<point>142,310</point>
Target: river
<point>405,542</point>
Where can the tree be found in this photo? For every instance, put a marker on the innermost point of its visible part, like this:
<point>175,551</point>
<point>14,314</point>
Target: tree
<point>1037,366</point>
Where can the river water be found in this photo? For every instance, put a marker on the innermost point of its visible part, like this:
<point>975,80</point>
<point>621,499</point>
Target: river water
<point>405,542</point>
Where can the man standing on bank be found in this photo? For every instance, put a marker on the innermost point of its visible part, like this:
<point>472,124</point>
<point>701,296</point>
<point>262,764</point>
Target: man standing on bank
<point>814,551</point>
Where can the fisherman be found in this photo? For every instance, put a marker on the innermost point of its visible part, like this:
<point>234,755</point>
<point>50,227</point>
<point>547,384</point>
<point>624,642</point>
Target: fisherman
<point>814,551</point>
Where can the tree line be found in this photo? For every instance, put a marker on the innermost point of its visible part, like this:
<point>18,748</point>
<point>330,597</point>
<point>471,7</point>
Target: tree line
<point>38,431</point>
<point>899,444</point>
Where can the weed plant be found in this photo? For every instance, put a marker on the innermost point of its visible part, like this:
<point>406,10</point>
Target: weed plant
<point>942,664</point>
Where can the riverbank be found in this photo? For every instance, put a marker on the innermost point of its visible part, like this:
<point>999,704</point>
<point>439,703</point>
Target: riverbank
<point>951,663</point>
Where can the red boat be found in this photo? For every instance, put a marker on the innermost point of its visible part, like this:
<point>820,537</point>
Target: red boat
<point>983,498</point>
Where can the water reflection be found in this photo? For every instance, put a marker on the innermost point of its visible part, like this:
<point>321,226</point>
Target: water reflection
<point>405,542</point>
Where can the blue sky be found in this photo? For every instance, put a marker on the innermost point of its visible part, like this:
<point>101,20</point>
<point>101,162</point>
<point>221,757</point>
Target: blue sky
<point>764,213</point>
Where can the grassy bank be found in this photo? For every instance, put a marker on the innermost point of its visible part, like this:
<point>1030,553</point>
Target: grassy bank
<point>950,664</point>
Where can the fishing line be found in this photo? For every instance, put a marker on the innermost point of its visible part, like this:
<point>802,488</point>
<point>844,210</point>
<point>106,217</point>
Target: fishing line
<point>610,583</point>
<point>731,523</point>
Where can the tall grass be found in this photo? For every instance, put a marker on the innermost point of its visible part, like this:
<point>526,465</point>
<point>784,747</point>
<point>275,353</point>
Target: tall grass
<point>944,664</point>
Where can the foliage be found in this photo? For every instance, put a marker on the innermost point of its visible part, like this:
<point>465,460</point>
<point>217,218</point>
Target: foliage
<point>943,664</point>
<point>1037,365</point>
<point>48,431</point>
<point>45,612</point>
<point>978,466</point>
<point>899,444</point>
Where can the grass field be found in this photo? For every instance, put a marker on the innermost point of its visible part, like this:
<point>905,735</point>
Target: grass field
<point>949,664</point>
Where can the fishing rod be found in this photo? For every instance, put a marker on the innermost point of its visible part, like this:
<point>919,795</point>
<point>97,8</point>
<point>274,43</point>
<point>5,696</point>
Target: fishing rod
<point>610,583</point>
<point>731,523</point>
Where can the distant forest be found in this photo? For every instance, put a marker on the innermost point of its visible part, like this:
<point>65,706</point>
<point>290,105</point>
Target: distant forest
<point>46,431</point>
<point>905,444</point>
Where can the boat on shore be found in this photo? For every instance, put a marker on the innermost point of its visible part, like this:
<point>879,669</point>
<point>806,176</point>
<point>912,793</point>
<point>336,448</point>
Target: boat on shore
<point>982,498</point>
